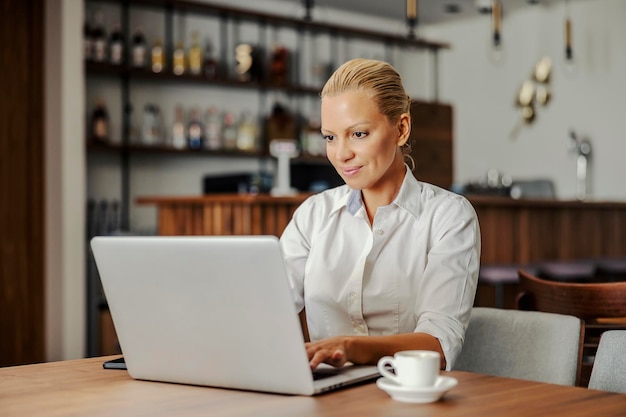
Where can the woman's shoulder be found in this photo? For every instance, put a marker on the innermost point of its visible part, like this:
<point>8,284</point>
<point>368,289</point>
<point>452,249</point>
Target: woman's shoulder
<point>438,198</point>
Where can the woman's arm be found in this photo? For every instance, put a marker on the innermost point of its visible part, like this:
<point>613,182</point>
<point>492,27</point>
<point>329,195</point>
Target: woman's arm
<point>367,350</point>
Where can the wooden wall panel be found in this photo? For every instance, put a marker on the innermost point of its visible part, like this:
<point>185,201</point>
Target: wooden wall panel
<point>22,286</point>
<point>532,231</point>
<point>432,142</point>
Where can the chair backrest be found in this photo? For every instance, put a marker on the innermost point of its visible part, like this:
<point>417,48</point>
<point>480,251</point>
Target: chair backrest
<point>527,345</point>
<point>609,366</point>
<point>583,300</point>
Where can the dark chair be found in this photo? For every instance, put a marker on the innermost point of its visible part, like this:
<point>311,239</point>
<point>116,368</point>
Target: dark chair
<point>602,306</point>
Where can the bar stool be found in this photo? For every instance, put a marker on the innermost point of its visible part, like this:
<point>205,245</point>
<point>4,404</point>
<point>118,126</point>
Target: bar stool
<point>611,269</point>
<point>567,271</point>
<point>499,275</point>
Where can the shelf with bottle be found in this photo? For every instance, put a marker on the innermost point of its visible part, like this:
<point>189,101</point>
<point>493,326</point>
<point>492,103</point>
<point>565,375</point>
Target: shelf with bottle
<point>161,56</point>
<point>206,132</point>
<point>144,74</point>
<point>172,56</point>
<point>191,132</point>
<point>300,23</point>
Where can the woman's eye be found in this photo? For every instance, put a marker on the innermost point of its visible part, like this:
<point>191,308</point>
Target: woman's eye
<point>360,135</point>
<point>328,138</point>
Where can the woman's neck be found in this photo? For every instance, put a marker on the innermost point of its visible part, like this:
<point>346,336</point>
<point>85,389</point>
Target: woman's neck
<point>381,196</point>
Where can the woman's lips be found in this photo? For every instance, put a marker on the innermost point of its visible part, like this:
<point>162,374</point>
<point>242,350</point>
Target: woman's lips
<point>350,171</point>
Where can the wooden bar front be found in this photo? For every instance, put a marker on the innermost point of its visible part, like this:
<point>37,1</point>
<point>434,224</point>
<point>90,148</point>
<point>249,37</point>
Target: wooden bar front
<point>224,214</point>
<point>523,231</point>
<point>513,231</point>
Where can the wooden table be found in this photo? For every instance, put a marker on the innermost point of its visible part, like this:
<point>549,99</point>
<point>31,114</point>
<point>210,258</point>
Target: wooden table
<point>83,388</point>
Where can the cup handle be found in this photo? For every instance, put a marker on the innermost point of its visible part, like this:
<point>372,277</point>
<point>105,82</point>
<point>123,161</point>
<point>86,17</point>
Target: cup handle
<point>382,367</point>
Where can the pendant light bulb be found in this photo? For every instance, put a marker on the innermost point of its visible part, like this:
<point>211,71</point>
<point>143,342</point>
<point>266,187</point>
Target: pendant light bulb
<point>308,8</point>
<point>411,17</point>
<point>569,50</point>
<point>496,25</point>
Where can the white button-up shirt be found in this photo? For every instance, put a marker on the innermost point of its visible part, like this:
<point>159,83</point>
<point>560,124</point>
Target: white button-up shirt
<point>415,269</point>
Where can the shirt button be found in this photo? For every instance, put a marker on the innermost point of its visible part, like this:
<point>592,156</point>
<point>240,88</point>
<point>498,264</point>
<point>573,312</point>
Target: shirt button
<point>353,294</point>
<point>360,328</point>
<point>380,232</point>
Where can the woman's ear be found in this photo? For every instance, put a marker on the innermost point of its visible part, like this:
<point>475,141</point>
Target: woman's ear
<point>404,128</point>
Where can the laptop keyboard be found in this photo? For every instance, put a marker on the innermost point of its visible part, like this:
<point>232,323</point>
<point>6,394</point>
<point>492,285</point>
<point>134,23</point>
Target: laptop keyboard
<point>325,373</point>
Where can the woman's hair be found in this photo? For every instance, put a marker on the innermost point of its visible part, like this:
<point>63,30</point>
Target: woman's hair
<point>380,81</point>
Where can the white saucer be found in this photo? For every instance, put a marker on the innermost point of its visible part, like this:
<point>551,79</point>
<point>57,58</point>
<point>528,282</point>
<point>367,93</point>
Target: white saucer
<point>417,395</point>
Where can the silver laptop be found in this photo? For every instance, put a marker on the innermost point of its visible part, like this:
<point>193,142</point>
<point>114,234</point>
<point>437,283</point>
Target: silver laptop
<point>214,311</point>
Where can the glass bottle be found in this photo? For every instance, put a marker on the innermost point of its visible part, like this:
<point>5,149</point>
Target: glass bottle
<point>210,63</point>
<point>195,130</point>
<point>313,141</point>
<point>229,131</point>
<point>213,129</point>
<point>99,131</point>
<point>195,55</point>
<point>99,38</point>
<point>116,46</point>
<point>139,48</point>
<point>247,133</point>
<point>178,61</point>
<point>157,56</point>
<point>179,141</point>
<point>150,132</point>
<point>279,67</point>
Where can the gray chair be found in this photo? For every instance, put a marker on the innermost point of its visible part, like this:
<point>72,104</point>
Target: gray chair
<point>536,346</point>
<point>609,366</point>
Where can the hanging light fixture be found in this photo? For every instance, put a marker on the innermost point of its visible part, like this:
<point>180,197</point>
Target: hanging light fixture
<point>496,25</point>
<point>569,51</point>
<point>411,17</point>
<point>308,7</point>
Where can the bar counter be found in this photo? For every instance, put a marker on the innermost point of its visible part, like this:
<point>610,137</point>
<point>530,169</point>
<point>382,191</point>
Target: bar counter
<point>513,231</point>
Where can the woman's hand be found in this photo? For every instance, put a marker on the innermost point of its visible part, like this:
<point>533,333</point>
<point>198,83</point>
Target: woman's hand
<point>362,350</point>
<point>331,351</point>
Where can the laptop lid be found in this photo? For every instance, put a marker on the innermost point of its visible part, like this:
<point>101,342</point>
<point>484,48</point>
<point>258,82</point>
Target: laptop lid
<point>214,311</point>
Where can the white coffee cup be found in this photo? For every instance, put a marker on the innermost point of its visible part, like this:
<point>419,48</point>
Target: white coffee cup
<point>412,368</point>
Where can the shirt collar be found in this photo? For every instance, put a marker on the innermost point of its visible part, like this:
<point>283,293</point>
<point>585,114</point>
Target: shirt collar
<point>408,197</point>
<point>354,201</point>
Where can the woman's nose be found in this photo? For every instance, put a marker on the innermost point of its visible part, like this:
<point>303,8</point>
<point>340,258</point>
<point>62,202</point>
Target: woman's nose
<point>343,151</point>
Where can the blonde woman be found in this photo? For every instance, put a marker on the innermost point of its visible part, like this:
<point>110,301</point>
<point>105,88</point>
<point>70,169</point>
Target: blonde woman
<point>385,262</point>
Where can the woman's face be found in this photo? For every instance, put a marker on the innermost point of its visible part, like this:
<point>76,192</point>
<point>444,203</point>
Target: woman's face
<point>361,143</point>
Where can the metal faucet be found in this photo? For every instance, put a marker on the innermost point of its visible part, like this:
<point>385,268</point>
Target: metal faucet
<point>582,147</point>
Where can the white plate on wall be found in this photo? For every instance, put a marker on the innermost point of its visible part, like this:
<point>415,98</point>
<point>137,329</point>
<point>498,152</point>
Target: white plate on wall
<point>417,395</point>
